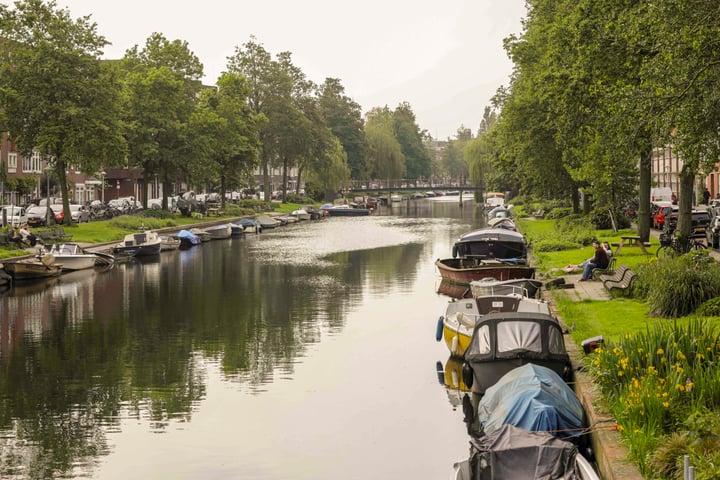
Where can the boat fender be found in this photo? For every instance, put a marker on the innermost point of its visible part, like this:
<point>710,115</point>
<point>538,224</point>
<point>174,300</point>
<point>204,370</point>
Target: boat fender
<point>454,251</point>
<point>440,372</point>
<point>454,347</point>
<point>439,329</point>
<point>467,374</point>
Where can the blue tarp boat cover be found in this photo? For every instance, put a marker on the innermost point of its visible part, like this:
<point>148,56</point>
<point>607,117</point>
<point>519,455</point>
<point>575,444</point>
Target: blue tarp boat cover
<point>533,398</point>
<point>188,235</point>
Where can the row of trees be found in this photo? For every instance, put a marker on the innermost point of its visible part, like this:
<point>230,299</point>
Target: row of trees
<point>150,110</point>
<point>596,86</point>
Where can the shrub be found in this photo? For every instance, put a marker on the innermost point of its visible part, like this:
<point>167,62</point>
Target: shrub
<point>601,220</point>
<point>152,213</point>
<point>710,308</point>
<point>133,222</point>
<point>553,245</point>
<point>675,287</point>
<point>558,212</point>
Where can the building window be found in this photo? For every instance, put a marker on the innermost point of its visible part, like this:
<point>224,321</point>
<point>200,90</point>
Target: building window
<point>32,164</point>
<point>12,162</point>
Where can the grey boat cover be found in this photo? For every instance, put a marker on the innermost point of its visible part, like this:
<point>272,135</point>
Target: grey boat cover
<point>534,398</point>
<point>498,243</point>
<point>511,453</point>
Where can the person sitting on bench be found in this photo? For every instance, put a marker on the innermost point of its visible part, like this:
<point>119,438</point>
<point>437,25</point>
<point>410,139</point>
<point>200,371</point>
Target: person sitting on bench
<point>30,237</point>
<point>15,237</point>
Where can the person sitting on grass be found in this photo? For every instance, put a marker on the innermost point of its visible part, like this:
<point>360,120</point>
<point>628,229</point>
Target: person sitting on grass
<point>599,260</point>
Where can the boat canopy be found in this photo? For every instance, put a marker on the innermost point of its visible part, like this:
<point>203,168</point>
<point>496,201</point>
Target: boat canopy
<point>511,335</point>
<point>488,243</point>
<point>534,398</point>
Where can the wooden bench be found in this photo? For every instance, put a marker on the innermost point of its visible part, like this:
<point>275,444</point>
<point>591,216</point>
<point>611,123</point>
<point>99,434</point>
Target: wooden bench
<point>622,280</point>
<point>597,272</point>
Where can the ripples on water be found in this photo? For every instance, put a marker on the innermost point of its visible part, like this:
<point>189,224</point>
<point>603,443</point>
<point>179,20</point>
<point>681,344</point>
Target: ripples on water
<point>303,352</point>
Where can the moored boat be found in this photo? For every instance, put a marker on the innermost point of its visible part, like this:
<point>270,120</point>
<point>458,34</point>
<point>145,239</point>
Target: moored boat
<point>300,214</point>
<point>236,230</point>
<point>33,268</point>
<point>267,222</point>
<point>503,341</point>
<point>464,271</point>
<point>139,244</point>
<point>492,286</point>
<point>169,242</point>
<point>203,235</point>
<point>461,316</point>
<point>489,252</point>
<point>249,225</point>
<point>187,239</point>
<point>72,257</point>
<point>345,211</point>
<point>219,232</point>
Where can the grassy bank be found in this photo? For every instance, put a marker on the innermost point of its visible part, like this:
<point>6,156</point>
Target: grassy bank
<point>658,376</point>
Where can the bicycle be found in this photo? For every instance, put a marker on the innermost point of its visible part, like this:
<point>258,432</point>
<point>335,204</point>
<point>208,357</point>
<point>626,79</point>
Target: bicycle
<point>674,245</point>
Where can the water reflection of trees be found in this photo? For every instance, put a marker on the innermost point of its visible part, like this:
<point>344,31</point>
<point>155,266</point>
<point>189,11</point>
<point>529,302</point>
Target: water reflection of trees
<point>69,380</point>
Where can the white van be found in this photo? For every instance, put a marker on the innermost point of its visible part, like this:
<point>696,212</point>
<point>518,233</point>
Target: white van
<point>13,215</point>
<point>661,194</point>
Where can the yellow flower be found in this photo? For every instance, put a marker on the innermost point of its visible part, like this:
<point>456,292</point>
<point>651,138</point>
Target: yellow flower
<point>660,351</point>
<point>666,404</point>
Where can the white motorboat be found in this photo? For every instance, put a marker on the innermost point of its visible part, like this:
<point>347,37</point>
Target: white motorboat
<point>220,232</point>
<point>72,257</point>
<point>169,242</point>
<point>300,214</point>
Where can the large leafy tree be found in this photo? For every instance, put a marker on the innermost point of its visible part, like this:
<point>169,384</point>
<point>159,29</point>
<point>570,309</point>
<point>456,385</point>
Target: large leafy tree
<point>162,83</point>
<point>344,118</point>
<point>56,96</point>
<point>269,94</point>
<point>226,131</point>
<point>408,134</point>
<point>385,159</point>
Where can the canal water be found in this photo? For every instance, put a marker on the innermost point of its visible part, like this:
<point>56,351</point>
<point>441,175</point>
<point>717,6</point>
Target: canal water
<point>304,352</point>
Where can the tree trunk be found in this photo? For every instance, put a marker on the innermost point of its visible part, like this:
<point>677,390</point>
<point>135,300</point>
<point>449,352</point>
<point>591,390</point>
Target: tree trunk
<point>643,211</point>
<point>285,179</point>
<point>687,182</point>
<point>62,181</point>
<point>266,179</point>
<point>222,192</point>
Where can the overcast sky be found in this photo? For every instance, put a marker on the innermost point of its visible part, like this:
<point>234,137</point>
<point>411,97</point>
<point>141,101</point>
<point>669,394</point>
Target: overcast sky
<point>444,58</point>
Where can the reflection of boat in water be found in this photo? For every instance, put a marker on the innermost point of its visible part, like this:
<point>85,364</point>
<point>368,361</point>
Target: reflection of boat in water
<point>530,425</point>
<point>453,290</point>
<point>461,316</point>
<point>503,341</point>
<point>450,377</point>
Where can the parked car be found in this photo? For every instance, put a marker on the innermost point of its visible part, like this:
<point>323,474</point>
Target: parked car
<point>655,209</point>
<point>37,217</point>
<point>700,222</point>
<point>79,213</point>
<point>662,215</point>
<point>712,233</point>
<point>13,215</point>
<point>57,209</point>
